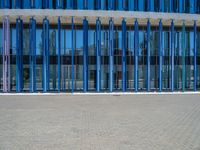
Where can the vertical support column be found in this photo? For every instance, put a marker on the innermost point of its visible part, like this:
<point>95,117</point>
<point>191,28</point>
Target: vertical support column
<point>32,54</point>
<point>72,67</point>
<point>148,55</point>
<point>6,54</point>
<point>195,56</point>
<point>98,54</point>
<point>160,54</point>
<point>123,55</point>
<point>136,47</point>
<point>172,55</point>
<point>19,55</point>
<point>59,54</point>
<point>111,53</point>
<point>45,55</point>
<point>183,56</point>
<point>85,55</point>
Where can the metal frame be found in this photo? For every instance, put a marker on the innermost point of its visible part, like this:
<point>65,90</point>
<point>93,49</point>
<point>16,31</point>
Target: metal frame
<point>19,55</point>
<point>172,55</point>
<point>111,53</point>
<point>160,54</point>
<point>183,56</point>
<point>32,54</point>
<point>6,54</point>
<point>45,55</point>
<point>59,54</point>
<point>98,55</point>
<point>148,55</point>
<point>123,55</point>
<point>195,56</point>
<point>85,55</point>
<point>72,61</point>
<point>136,47</point>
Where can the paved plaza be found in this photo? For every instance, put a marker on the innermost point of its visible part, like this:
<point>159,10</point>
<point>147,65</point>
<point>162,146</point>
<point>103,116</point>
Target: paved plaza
<point>90,122</point>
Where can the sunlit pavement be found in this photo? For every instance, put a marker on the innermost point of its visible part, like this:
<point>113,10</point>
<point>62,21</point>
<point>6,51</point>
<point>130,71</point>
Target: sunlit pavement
<point>100,122</point>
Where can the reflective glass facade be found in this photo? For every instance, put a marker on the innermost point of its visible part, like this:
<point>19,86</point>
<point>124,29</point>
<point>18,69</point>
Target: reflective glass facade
<point>179,6</point>
<point>100,57</point>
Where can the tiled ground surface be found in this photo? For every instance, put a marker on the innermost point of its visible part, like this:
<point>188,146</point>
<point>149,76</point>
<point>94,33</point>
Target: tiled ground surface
<point>133,122</point>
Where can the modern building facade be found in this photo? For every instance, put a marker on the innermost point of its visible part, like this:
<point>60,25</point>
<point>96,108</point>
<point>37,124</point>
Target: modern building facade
<point>99,45</point>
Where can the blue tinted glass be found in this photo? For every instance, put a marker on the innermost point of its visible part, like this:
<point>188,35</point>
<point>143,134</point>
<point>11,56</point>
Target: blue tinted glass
<point>39,42</point>
<point>38,4</point>
<point>151,5</point>
<point>131,5</point>
<point>80,4</point>
<point>141,5</point>
<point>120,5</point>
<point>26,4</point>
<point>103,4</point>
<point>1,46</point>
<point>13,41</point>
<point>180,6</point>
<point>91,4</point>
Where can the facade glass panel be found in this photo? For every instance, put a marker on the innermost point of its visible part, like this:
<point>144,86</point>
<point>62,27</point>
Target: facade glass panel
<point>78,58</point>
<point>198,58</point>
<point>26,73</point>
<point>52,54</point>
<point>65,58</point>
<point>91,59</point>
<point>166,75</point>
<point>117,58</point>
<point>1,60</point>
<point>39,57</point>
<point>166,5</point>
<point>130,58</point>
<point>154,65</point>
<point>142,61</point>
<point>13,59</point>
<point>178,61</point>
<point>198,7</point>
<point>104,59</point>
<point>177,67</point>
<point>189,60</point>
<point>179,6</point>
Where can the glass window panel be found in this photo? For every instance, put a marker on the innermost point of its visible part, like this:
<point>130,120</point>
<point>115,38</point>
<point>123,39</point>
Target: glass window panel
<point>130,59</point>
<point>166,76</point>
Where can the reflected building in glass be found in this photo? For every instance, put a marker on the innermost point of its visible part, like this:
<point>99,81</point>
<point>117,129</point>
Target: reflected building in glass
<point>99,45</point>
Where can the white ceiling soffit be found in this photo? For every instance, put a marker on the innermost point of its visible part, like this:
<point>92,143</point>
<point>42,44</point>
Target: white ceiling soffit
<point>92,15</point>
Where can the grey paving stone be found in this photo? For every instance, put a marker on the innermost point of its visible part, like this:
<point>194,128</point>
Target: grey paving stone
<point>141,122</point>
